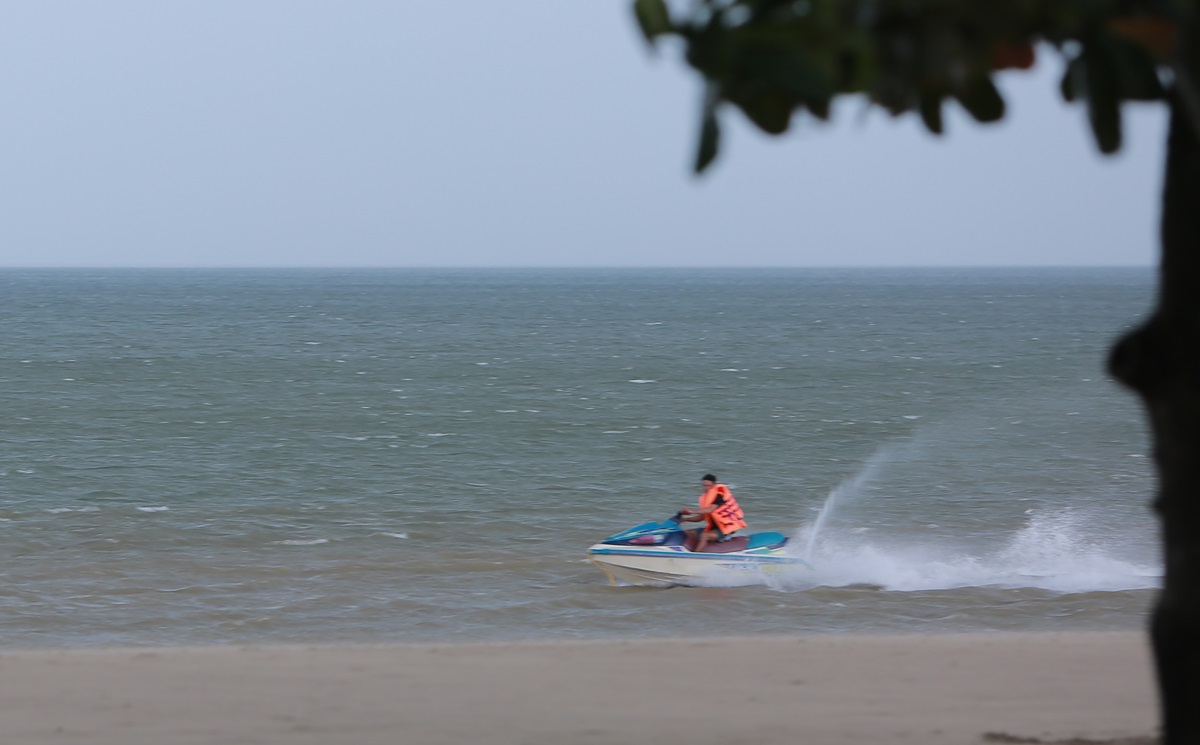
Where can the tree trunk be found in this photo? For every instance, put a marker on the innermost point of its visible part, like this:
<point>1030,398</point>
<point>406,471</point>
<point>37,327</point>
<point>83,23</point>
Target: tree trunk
<point>1161,362</point>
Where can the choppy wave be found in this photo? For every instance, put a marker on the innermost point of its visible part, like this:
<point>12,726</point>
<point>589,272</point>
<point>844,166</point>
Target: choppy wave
<point>365,475</point>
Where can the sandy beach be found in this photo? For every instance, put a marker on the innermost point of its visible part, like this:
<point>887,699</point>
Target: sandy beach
<point>836,690</point>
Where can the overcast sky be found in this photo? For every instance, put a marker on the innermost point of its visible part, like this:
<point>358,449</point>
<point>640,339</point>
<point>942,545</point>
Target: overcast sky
<point>530,133</point>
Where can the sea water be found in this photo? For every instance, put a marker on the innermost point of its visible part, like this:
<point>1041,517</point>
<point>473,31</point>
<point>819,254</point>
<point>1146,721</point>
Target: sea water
<point>250,456</point>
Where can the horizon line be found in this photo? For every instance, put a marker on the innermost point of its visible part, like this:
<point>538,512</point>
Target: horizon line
<point>561,267</point>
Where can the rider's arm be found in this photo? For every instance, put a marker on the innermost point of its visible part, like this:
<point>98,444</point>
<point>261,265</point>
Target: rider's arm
<point>705,510</point>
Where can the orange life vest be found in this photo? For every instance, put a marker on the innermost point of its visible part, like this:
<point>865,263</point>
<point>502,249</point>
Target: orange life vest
<point>728,516</point>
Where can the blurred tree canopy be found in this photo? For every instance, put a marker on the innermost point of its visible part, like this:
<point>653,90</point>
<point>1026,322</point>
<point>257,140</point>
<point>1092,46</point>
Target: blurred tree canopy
<point>775,60</point>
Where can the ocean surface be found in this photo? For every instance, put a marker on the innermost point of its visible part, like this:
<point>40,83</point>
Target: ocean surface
<point>261,456</point>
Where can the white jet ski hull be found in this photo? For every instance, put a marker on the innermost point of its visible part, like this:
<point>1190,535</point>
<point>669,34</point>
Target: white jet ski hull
<point>674,565</point>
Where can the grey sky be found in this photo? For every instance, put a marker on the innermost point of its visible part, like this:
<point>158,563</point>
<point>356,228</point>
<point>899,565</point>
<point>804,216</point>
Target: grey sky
<point>531,133</point>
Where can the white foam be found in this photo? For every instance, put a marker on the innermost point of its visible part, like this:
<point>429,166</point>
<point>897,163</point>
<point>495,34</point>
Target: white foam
<point>300,542</point>
<point>1067,550</point>
<point>153,509</point>
<point>1057,551</point>
<point>1066,564</point>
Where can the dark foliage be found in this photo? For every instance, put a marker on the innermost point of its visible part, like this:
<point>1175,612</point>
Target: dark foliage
<point>778,59</point>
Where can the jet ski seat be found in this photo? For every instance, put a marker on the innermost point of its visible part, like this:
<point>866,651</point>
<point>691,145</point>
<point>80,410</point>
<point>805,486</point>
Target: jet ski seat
<point>736,543</point>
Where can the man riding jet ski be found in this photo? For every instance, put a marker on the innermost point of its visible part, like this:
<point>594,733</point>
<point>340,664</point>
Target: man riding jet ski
<point>663,553</point>
<point>720,512</point>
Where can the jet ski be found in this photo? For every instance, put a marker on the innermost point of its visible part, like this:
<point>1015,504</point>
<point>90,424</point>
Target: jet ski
<point>660,554</point>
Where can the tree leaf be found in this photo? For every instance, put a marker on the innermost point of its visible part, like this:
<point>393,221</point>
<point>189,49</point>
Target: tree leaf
<point>1158,35</point>
<point>710,137</point>
<point>653,18</point>
<point>855,63</point>
<point>1135,69</point>
<point>1103,101</point>
<point>1007,55</point>
<point>931,112</point>
<point>770,110</point>
<point>982,100</point>
<point>1074,80</point>
<point>820,109</point>
<point>786,69</point>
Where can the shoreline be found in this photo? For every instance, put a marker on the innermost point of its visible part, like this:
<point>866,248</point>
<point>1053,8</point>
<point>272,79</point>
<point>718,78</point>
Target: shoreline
<point>835,689</point>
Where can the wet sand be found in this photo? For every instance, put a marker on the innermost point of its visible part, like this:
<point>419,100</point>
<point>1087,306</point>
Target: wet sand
<point>816,690</point>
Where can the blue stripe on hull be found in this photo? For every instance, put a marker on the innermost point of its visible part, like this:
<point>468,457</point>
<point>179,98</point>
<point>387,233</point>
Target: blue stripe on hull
<point>751,558</point>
